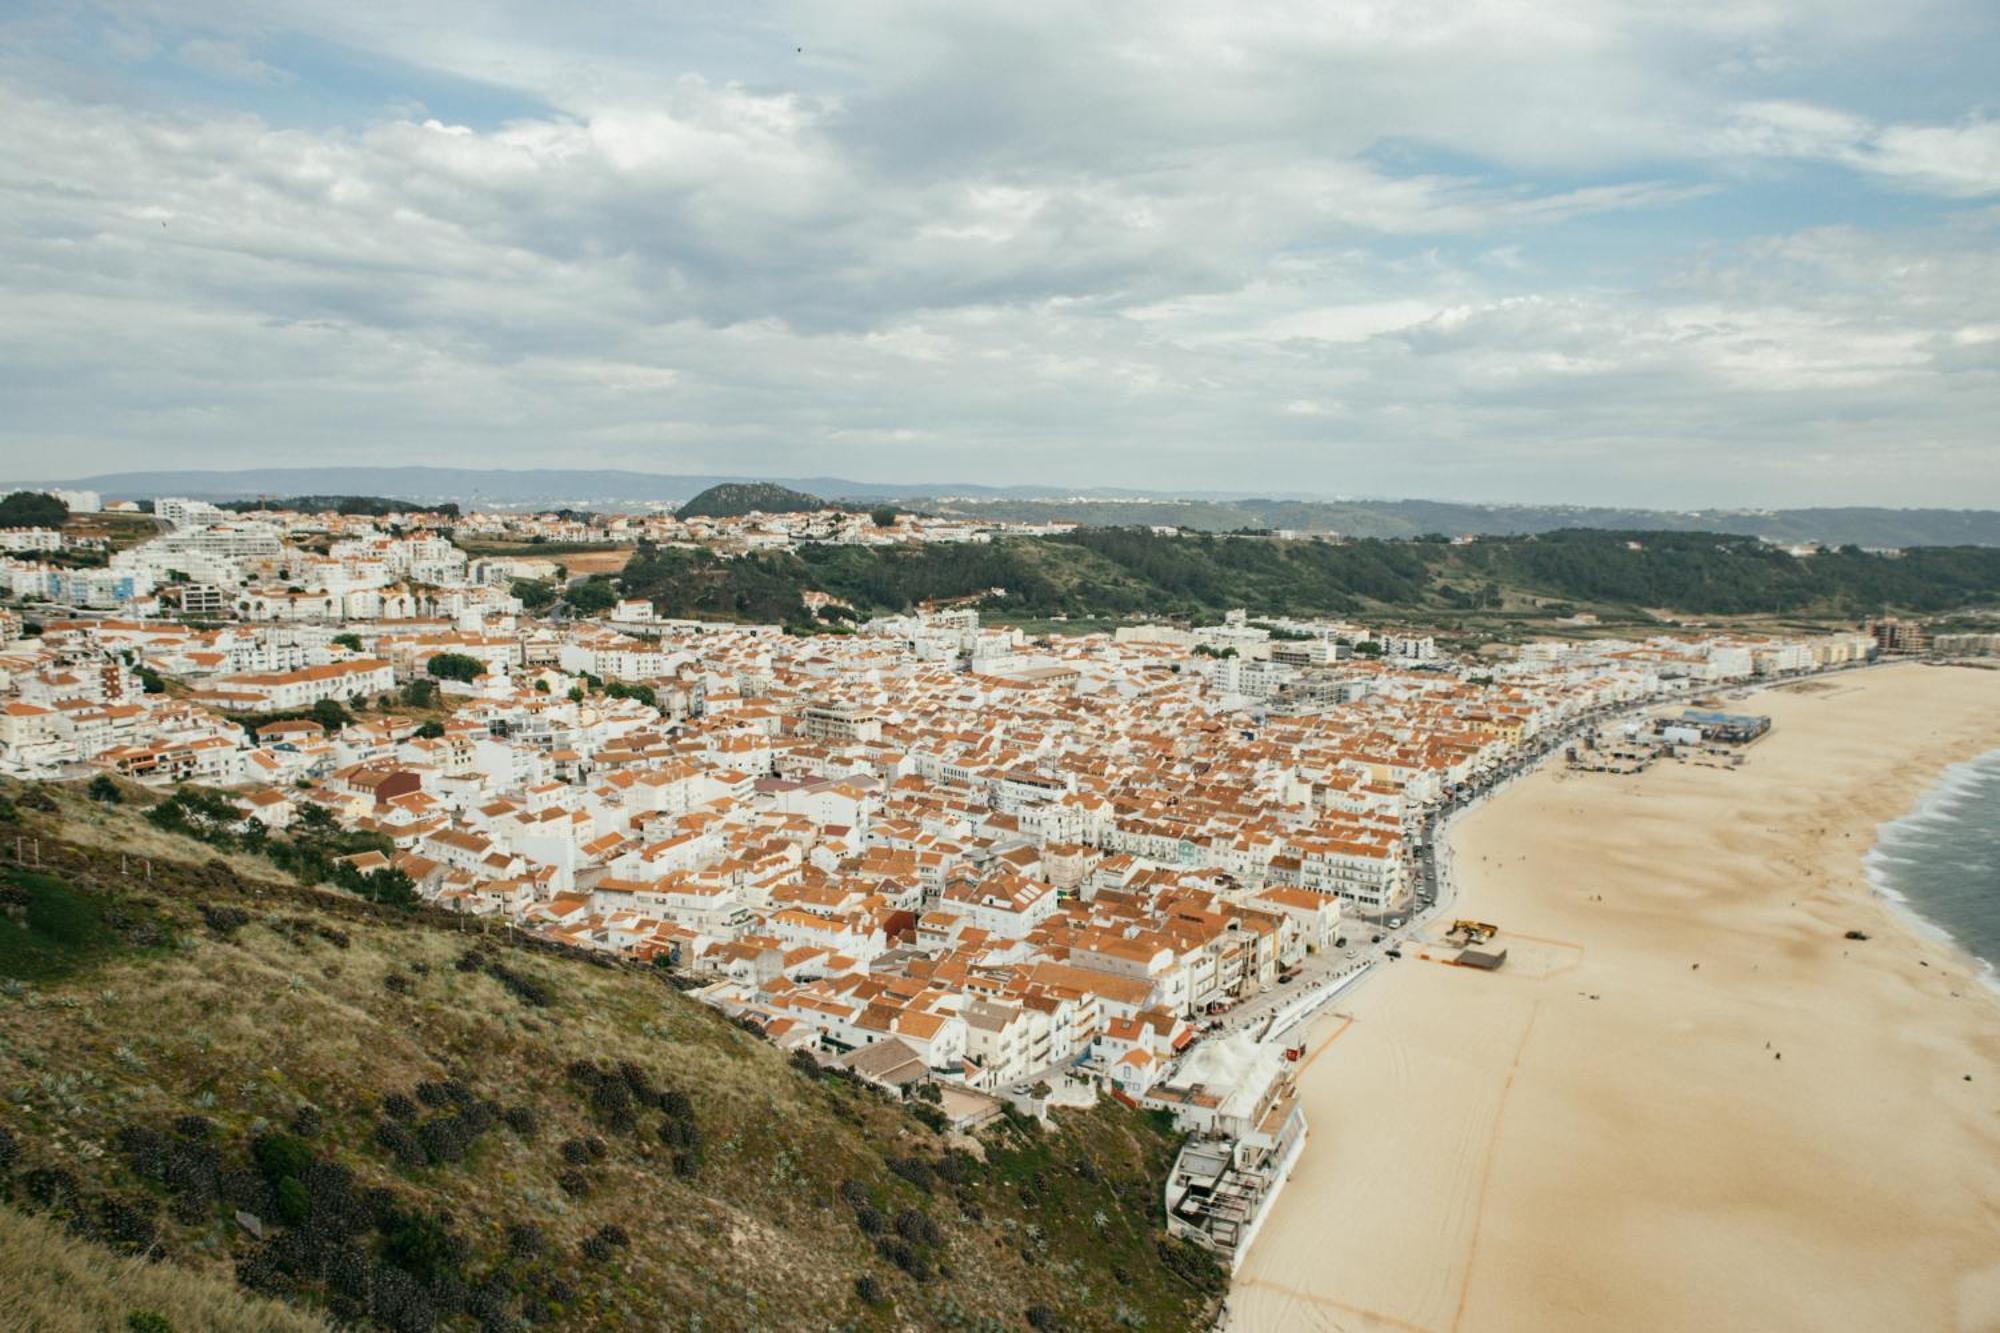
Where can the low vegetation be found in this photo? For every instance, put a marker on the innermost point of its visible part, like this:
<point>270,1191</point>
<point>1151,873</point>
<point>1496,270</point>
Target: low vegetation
<point>394,1117</point>
<point>1128,572</point>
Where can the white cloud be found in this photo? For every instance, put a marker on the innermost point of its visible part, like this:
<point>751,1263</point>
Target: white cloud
<point>229,60</point>
<point>1958,161</point>
<point>1447,248</point>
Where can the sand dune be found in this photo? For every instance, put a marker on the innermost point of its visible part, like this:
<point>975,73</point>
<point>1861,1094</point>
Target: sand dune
<point>1688,1102</point>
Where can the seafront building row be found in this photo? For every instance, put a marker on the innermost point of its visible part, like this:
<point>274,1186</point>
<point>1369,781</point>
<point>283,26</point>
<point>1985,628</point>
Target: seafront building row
<point>932,850</point>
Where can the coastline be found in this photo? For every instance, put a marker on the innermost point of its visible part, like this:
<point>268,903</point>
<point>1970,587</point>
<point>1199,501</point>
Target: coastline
<point>1687,1101</point>
<point>1910,913</point>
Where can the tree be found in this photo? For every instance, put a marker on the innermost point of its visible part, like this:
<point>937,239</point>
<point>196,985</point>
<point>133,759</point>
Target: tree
<point>351,642</point>
<point>149,680</point>
<point>592,596</point>
<point>329,714</point>
<point>885,517</point>
<point>430,731</point>
<point>420,693</point>
<point>103,789</point>
<point>618,689</point>
<point>32,509</point>
<point>456,666</point>
<point>535,594</point>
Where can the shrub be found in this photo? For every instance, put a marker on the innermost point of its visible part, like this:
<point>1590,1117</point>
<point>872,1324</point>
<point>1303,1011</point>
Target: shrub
<point>917,1228</point>
<point>522,1120</point>
<point>307,1122</point>
<point>293,1201</point>
<point>400,1141</point>
<point>455,666</point>
<point>147,1321</point>
<point>224,920</point>
<point>281,1157</point>
<point>869,1289</point>
<point>104,790</point>
<point>913,1169</point>
<point>399,1106</point>
<point>10,1151</point>
<point>525,1240</point>
<point>1042,1319</point>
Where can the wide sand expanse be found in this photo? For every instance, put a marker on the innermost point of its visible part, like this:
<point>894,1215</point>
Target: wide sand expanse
<point>1687,1102</point>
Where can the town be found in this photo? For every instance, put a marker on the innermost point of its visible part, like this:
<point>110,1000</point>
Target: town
<point>974,866</point>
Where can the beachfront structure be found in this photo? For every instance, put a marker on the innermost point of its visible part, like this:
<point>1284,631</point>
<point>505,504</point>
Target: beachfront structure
<point>1733,728</point>
<point>1237,1102</point>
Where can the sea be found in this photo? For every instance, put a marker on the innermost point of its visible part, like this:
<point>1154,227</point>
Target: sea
<point>1941,861</point>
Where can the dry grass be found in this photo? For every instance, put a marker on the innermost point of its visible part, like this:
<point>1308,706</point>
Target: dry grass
<point>245,1028</point>
<point>50,1283</point>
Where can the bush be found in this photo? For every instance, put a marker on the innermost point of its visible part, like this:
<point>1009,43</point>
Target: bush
<point>104,790</point>
<point>146,1321</point>
<point>913,1169</point>
<point>869,1289</point>
<point>224,920</point>
<point>455,666</point>
<point>398,1138</point>
<point>917,1228</point>
<point>1042,1319</point>
<point>293,1201</point>
<point>281,1157</point>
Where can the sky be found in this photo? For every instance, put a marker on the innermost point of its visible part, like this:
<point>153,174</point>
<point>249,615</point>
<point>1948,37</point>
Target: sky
<point>1678,253</point>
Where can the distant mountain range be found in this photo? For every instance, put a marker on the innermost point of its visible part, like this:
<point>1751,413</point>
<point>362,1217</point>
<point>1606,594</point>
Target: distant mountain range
<point>1093,506</point>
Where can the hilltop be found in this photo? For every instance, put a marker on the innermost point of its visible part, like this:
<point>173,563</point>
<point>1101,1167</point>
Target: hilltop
<point>434,1124</point>
<point>733,499</point>
<point>1102,506</point>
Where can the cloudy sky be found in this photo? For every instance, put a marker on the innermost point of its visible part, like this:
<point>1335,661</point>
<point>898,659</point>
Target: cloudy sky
<point>1680,252</point>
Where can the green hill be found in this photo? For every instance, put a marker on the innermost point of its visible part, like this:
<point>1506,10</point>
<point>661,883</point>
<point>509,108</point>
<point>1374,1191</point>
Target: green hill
<point>1135,572</point>
<point>439,1126</point>
<point>734,499</point>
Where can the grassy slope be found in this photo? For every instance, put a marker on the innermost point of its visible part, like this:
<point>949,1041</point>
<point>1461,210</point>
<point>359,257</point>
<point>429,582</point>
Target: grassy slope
<point>161,1014</point>
<point>54,1283</point>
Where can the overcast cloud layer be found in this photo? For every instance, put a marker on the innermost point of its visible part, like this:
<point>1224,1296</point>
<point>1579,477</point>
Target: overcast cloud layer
<point>1713,252</point>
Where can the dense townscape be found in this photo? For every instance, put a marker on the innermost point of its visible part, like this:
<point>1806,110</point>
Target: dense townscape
<point>942,854</point>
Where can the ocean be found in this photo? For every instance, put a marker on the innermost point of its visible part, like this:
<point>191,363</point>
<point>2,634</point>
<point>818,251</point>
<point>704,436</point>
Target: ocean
<point>1942,860</point>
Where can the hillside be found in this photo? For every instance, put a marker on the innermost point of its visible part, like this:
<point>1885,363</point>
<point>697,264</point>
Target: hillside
<point>1860,525</point>
<point>1103,506</point>
<point>371,506</point>
<point>1133,572</point>
<point>734,499</point>
<point>437,1126</point>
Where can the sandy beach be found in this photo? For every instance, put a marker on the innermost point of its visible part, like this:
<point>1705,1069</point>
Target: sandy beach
<point>1687,1102</point>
